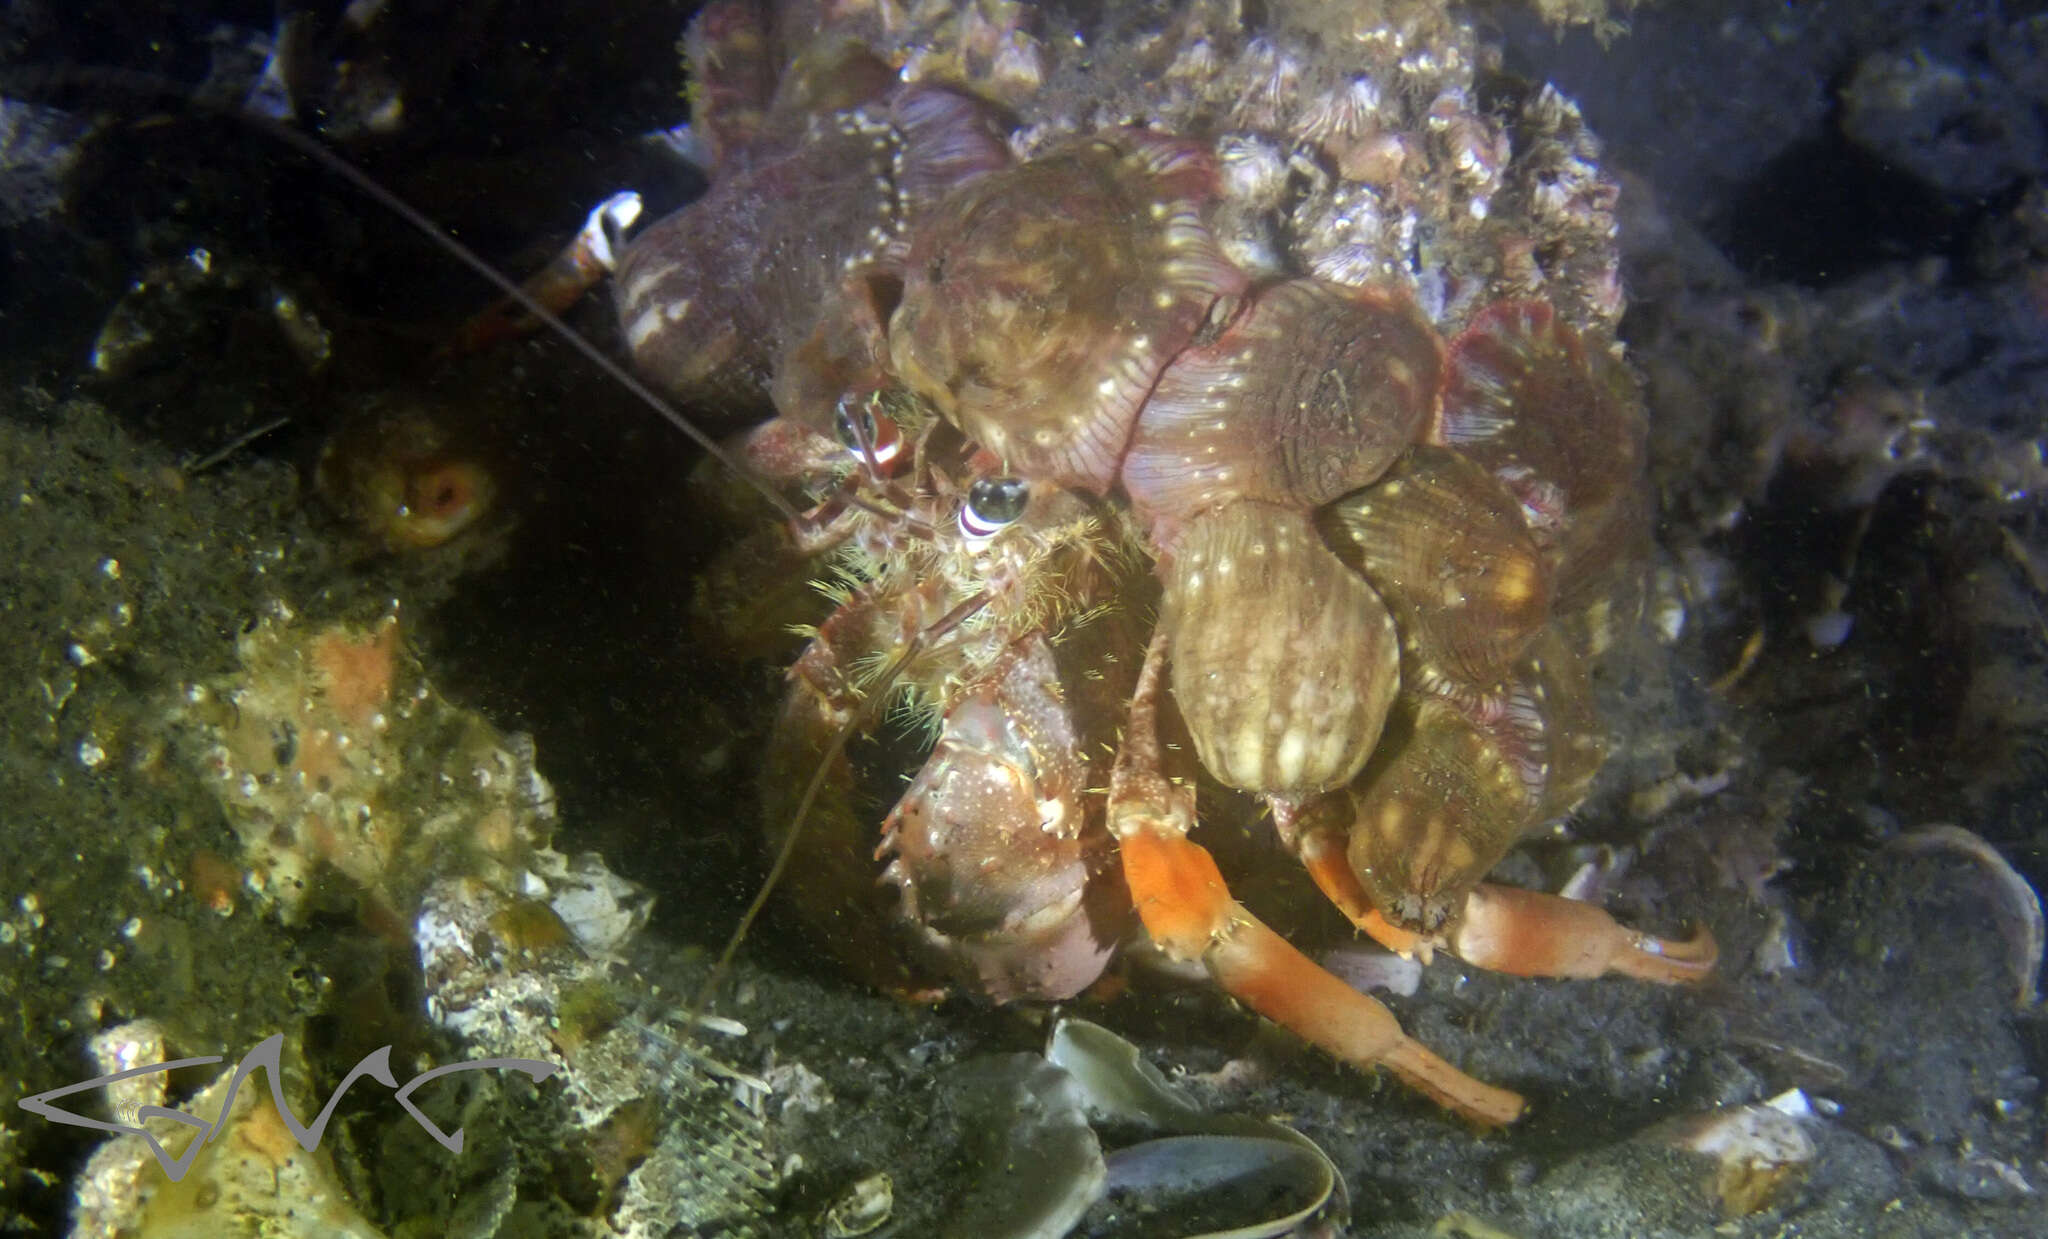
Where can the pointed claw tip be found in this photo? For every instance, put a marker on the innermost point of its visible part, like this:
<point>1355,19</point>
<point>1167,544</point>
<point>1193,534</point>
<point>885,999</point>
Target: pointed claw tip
<point>1676,962</point>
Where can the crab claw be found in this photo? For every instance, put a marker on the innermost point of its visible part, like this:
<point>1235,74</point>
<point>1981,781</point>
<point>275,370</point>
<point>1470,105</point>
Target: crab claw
<point>1530,934</point>
<point>1520,932</point>
<point>1002,879</point>
<point>1190,914</point>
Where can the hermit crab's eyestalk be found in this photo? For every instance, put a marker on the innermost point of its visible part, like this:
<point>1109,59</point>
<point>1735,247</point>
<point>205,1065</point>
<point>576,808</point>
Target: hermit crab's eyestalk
<point>870,434</point>
<point>993,505</point>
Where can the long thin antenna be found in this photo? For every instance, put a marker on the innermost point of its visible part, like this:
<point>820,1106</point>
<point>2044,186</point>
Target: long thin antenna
<point>134,82</point>
<point>944,625</point>
<point>236,444</point>
<point>698,1005</point>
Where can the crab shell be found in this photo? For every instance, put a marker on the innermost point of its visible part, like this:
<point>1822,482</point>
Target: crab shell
<point>1361,533</point>
<point>1385,559</point>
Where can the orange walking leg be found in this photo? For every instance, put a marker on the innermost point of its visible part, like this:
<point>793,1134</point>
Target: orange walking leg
<point>1188,909</point>
<point>1322,854</point>
<point>1189,912</point>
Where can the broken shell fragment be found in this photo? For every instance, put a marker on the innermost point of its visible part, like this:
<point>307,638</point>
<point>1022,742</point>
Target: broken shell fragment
<point>1049,1170</point>
<point>689,1126</point>
<point>1275,1162</point>
<point>862,1208</point>
<point>1256,1170</point>
<point>2017,907</point>
<point>1118,1084</point>
<point>1372,967</point>
<point>1760,1153</point>
<point>1044,1168</point>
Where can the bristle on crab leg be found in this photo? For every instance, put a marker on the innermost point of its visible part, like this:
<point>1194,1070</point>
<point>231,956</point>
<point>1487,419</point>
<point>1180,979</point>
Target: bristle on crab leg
<point>1519,932</point>
<point>1188,910</point>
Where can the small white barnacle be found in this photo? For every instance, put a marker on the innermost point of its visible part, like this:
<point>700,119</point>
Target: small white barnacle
<point>1343,114</point>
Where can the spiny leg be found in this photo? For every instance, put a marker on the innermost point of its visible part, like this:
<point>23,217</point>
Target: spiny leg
<point>1188,909</point>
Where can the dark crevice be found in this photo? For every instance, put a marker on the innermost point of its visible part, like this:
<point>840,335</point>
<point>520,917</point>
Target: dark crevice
<point>1823,211</point>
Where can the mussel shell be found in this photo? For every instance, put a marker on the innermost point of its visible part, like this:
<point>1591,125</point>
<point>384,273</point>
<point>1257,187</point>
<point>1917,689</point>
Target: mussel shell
<point>1313,391</point>
<point>1446,546</point>
<point>1284,660</point>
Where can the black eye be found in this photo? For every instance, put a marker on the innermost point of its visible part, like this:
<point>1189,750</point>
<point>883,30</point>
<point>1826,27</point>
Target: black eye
<point>868,433</point>
<point>853,423</point>
<point>993,503</point>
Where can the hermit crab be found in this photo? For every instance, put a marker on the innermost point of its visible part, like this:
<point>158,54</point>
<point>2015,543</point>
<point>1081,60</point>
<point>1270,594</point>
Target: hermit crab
<point>1266,416</point>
